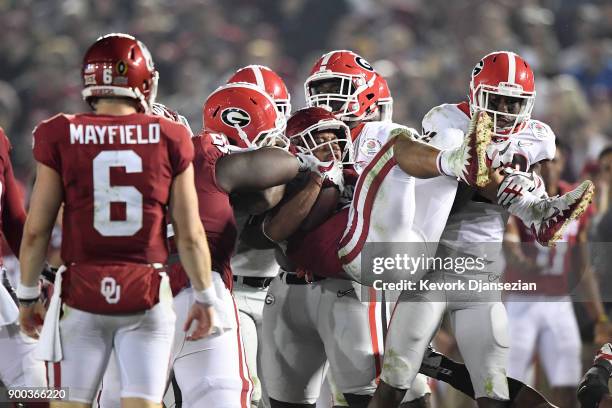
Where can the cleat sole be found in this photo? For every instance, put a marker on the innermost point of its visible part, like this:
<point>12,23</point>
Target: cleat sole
<point>483,139</point>
<point>579,209</point>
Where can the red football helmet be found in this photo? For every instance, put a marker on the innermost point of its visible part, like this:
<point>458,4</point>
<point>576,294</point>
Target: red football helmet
<point>385,101</point>
<point>246,115</point>
<point>118,65</point>
<point>303,124</point>
<point>267,80</point>
<point>503,75</point>
<point>345,82</point>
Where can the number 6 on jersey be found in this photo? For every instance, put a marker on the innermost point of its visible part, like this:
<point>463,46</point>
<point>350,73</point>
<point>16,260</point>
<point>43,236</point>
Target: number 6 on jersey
<point>105,194</point>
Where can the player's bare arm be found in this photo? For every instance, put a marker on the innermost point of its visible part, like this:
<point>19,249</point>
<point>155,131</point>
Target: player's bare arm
<point>193,251</point>
<point>257,202</point>
<point>467,162</point>
<point>288,217</point>
<point>45,203</point>
<point>325,143</point>
<point>256,169</point>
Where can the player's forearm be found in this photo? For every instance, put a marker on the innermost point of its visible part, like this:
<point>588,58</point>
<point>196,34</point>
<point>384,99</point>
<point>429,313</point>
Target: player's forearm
<point>256,170</point>
<point>195,258</point>
<point>257,202</point>
<point>32,255</point>
<point>292,213</point>
<point>416,158</point>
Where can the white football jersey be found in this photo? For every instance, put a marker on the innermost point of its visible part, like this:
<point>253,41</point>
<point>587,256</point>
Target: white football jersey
<point>473,221</point>
<point>430,213</point>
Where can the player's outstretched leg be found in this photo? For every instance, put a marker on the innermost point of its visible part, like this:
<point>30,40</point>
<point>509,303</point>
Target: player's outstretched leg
<point>548,217</point>
<point>442,368</point>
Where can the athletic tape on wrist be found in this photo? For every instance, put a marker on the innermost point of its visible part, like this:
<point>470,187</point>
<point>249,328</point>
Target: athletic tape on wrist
<point>439,163</point>
<point>206,296</point>
<point>28,292</point>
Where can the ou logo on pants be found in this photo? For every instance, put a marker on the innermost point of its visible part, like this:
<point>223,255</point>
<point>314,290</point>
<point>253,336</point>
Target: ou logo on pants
<point>110,290</point>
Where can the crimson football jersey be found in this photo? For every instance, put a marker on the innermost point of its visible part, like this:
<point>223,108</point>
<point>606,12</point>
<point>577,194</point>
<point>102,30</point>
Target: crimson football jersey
<point>116,173</point>
<point>11,200</point>
<point>216,211</point>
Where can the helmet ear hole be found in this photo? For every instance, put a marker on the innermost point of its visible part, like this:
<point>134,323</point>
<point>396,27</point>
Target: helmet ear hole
<point>132,54</point>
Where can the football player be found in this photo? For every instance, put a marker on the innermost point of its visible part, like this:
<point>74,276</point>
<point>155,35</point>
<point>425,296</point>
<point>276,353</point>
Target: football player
<point>118,170</point>
<point>234,153</point>
<point>333,324</point>
<point>18,368</point>
<point>502,86</point>
<point>346,83</point>
<point>543,320</point>
<point>254,269</point>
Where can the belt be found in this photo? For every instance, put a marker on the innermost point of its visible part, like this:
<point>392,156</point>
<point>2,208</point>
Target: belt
<point>253,281</point>
<point>292,279</point>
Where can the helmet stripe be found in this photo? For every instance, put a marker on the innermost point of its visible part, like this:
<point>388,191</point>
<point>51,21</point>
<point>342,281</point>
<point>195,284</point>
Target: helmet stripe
<point>325,59</point>
<point>511,67</point>
<point>259,77</point>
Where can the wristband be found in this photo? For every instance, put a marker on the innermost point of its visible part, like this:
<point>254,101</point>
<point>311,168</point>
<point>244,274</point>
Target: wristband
<point>206,297</point>
<point>26,293</point>
<point>440,162</point>
<point>603,318</point>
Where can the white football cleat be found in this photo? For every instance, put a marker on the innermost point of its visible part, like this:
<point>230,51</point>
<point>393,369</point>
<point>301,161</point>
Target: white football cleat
<point>549,217</point>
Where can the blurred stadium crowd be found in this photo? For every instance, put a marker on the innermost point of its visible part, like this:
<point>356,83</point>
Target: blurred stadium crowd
<point>425,48</point>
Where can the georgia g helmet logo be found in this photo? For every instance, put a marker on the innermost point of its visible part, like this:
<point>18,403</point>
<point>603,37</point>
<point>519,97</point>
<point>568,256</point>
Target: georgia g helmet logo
<point>477,68</point>
<point>235,116</point>
<point>363,63</point>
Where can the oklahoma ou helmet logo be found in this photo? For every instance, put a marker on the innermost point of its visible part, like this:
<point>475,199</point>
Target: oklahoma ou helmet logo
<point>235,116</point>
<point>363,63</point>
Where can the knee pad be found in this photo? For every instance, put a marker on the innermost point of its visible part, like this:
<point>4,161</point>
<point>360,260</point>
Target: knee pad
<point>499,325</point>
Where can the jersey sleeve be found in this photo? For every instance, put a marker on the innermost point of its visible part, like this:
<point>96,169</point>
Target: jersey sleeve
<point>180,147</point>
<point>209,148</point>
<point>45,140</point>
<point>438,130</point>
<point>545,135</point>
